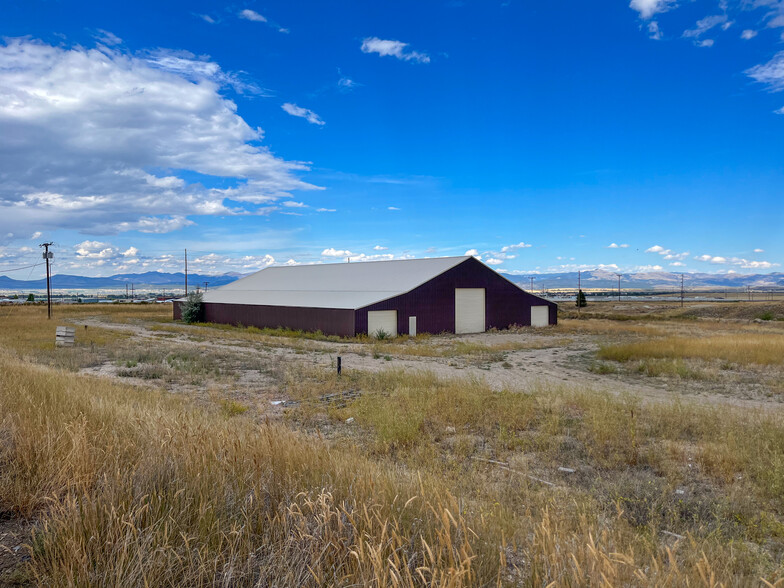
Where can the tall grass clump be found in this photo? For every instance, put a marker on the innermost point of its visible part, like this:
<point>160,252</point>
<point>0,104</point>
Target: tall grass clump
<point>741,348</point>
<point>136,488</point>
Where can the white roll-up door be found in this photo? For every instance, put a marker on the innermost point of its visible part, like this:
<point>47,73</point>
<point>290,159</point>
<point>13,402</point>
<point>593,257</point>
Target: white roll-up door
<point>385,320</point>
<point>469,310</point>
<point>540,316</point>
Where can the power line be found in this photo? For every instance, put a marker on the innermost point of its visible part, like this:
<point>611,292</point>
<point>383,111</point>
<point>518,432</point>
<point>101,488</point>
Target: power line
<point>16,269</point>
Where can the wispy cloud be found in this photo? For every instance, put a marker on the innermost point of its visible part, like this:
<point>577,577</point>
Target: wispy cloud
<point>770,73</point>
<point>748,34</point>
<point>107,38</point>
<point>703,26</point>
<point>520,245</point>
<point>390,48</point>
<point>252,15</point>
<point>347,83</point>
<point>305,113</point>
<point>616,246</point>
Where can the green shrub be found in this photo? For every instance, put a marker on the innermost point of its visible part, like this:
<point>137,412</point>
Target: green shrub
<point>382,334</point>
<point>191,308</point>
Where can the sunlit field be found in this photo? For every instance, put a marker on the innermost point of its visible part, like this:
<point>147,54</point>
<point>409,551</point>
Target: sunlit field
<point>173,465</point>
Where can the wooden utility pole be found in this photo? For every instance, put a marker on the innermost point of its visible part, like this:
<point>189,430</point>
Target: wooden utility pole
<point>619,286</point>
<point>47,256</point>
<point>186,272</point>
<point>681,290</point>
<point>579,289</point>
<point>205,286</point>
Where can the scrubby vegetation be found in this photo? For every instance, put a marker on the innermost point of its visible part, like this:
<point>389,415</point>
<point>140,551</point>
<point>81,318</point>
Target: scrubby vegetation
<point>386,477</point>
<point>741,348</point>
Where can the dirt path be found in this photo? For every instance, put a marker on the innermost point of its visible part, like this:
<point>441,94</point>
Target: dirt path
<point>525,369</point>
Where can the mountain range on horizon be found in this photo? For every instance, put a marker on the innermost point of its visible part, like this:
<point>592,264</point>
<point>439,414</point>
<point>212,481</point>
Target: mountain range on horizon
<point>590,280</point>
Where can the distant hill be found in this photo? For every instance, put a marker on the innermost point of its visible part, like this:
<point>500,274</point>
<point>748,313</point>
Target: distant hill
<point>591,280</point>
<point>147,280</point>
<point>601,279</point>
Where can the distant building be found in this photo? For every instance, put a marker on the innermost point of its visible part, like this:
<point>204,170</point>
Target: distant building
<point>447,294</point>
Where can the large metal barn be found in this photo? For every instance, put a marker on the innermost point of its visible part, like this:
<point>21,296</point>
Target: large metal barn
<point>446,294</point>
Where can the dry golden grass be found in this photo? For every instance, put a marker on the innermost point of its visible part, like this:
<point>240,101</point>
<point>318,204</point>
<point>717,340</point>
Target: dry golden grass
<point>740,348</point>
<point>139,488</point>
<point>26,331</point>
<point>135,487</point>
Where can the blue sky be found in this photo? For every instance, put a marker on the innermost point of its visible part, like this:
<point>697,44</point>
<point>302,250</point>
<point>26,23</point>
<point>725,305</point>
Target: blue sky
<point>542,138</point>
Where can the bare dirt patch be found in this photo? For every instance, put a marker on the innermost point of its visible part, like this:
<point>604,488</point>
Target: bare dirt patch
<point>515,360</point>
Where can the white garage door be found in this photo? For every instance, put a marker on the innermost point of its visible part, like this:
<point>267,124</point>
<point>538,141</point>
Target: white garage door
<point>385,320</point>
<point>469,310</point>
<point>540,316</point>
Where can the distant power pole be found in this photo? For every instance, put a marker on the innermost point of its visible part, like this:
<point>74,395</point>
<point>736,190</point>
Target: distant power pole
<point>619,286</point>
<point>186,272</point>
<point>133,294</point>
<point>205,286</point>
<point>47,256</point>
<point>681,290</point>
<point>532,282</point>
<point>579,289</point>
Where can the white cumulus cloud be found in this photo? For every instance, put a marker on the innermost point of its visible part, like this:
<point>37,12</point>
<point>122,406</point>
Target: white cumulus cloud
<point>332,252</point>
<point>647,8</point>
<point>81,127</point>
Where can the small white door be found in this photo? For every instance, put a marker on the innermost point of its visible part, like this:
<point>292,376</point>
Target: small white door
<point>540,316</point>
<point>412,326</point>
<point>469,310</point>
<point>382,320</point>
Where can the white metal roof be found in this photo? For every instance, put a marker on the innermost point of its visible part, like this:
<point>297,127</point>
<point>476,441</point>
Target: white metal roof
<point>334,285</point>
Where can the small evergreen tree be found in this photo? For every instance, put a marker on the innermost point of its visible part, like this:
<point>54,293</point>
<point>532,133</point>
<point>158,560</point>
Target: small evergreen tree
<point>581,302</point>
<point>31,297</point>
<point>191,308</point>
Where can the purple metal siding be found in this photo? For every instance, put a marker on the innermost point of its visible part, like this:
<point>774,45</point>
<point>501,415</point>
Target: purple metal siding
<point>433,303</point>
<point>331,321</point>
